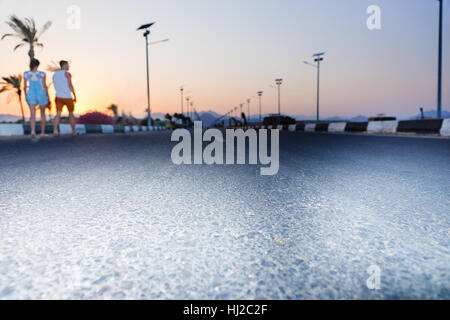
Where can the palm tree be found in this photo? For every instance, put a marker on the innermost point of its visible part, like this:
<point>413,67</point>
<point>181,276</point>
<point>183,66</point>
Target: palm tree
<point>168,117</point>
<point>53,66</point>
<point>13,83</point>
<point>25,30</point>
<point>115,110</point>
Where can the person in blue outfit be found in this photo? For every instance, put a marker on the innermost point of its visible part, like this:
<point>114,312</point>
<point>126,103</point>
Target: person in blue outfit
<point>36,93</point>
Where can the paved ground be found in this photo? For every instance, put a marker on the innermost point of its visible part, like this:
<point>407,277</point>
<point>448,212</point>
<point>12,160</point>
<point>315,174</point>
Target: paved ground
<point>111,217</point>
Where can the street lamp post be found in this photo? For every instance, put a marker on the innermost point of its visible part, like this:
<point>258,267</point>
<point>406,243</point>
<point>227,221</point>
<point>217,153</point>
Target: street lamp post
<point>248,105</point>
<point>260,93</point>
<point>279,82</point>
<point>146,27</point>
<point>240,109</point>
<point>187,109</point>
<point>317,58</point>
<point>439,97</point>
<point>182,99</point>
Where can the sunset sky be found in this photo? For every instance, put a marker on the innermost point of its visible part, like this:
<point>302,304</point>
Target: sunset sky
<point>225,51</point>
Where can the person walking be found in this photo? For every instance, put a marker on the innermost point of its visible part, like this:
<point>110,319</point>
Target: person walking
<point>36,93</point>
<point>62,81</point>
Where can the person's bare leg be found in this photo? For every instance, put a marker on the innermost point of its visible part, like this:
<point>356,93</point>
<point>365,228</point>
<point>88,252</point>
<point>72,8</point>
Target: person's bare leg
<point>56,123</point>
<point>43,121</point>
<point>72,123</point>
<point>33,120</point>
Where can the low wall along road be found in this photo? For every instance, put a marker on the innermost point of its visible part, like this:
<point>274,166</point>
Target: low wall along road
<point>9,130</point>
<point>427,126</point>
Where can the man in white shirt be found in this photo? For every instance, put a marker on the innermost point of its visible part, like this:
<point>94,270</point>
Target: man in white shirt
<point>62,80</point>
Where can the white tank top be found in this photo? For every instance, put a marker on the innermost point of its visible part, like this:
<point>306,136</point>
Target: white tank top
<point>61,85</point>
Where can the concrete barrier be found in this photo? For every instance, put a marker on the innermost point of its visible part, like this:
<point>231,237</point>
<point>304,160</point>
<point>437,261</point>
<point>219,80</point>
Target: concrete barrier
<point>322,127</point>
<point>144,128</point>
<point>136,128</point>
<point>108,129</point>
<point>280,127</point>
<point>382,126</point>
<point>80,128</point>
<point>119,129</point>
<point>337,127</point>
<point>420,126</point>
<point>293,127</point>
<point>356,126</point>
<point>127,129</point>
<point>445,129</point>
<point>8,130</point>
<point>27,129</point>
<point>93,128</point>
<point>67,129</point>
<point>310,127</point>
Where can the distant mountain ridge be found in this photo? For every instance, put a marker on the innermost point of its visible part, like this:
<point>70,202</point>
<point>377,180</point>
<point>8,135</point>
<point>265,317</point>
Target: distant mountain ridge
<point>431,114</point>
<point>9,118</point>
<point>210,117</point>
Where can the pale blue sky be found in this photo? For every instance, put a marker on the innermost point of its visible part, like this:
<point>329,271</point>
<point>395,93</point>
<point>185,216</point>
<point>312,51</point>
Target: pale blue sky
<point>224,51</point>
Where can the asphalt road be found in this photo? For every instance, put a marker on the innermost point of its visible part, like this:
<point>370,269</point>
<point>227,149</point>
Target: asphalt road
<point>110,217</point>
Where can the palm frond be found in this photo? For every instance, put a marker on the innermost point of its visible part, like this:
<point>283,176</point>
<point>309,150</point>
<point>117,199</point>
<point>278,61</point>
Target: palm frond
<point>13,82</point>
<point>31,26</point>
<point>19,26</point>
<point>9,35</point>
<point>53,66</point>
<point>11,96</point>
<point>15,28</point>
<point>19,46</point>
<point>46,26</point>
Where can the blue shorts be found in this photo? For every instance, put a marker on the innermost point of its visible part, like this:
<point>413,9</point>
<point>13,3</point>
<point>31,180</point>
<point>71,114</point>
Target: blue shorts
<point>37,99</point>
